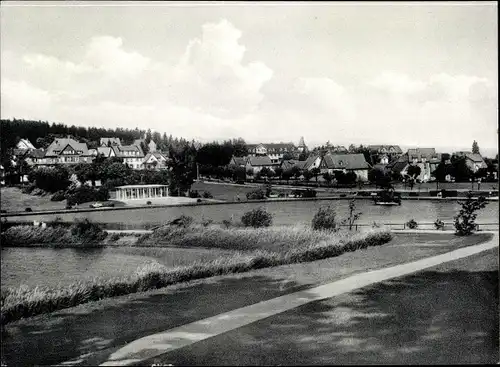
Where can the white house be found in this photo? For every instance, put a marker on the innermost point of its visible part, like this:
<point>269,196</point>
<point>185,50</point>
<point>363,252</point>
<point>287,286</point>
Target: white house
<point>155,160</point>
<point>25,144</point>
<point>132,155</point>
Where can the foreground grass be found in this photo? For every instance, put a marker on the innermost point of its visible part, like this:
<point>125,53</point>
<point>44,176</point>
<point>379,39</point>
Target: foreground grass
<point>21,302</point>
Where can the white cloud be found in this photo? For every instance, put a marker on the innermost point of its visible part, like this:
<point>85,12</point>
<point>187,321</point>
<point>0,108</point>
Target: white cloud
<point>211,75</point>
<point>397,83</point>
<point>106,54</point>
<point>213,92</point>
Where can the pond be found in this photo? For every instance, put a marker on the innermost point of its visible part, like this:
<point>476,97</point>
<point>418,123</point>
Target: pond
<point>50,267</point>
<point>284,213</point>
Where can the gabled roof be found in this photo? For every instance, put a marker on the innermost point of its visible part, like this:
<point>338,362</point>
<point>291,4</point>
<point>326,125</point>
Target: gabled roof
<point>113,141</point>
<point>288,164</point>
<point>308,163</point>
<point>157,155</point>
<point>260,161</point>
<point>20,152</point>
<point>119,150</point>
<point>398,166</point>
<point>345,161</point>
<point>475,157</point>
<point>59,144</point>
<point>240,161</point>
<point>273,147</point>
<point>26,143</point>
<point>420,153</point>
<point>106,151</point>
<point>300,164</point>
<point>378,148</point>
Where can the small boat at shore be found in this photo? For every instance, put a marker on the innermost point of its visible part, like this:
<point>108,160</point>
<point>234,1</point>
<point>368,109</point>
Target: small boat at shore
<point>387,198</point>
<point>387,203</point>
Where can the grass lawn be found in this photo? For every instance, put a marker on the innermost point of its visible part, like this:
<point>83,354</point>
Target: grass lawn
<point>14,200</point>
<point>275,246</point>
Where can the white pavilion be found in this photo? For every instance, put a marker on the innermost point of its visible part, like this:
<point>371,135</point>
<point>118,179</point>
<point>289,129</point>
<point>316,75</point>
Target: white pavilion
<point>131,192</point>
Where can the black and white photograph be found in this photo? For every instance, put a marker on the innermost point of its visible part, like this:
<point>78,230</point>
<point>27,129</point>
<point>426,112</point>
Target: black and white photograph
<point>260,183</point>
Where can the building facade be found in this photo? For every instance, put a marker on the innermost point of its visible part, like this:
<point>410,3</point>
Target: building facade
<point>346,163</point>
<point>66,151</point>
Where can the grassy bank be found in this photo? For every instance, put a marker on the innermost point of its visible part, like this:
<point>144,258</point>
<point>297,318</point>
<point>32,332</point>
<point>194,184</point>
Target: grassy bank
<point>273,247</point>
<point>80,234</point>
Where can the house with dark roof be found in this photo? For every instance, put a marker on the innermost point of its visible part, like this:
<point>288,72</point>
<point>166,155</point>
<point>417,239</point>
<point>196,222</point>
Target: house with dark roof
<point>67,151</point>
<point>425,158</point>
<point>384,154</point>
<point>238,161</point>
<point>287,164</point>
<point>346,163</point>
<point>257,163</point>
<point>106,142</point>
<point>473,160</point>
<point>36,158</point>
<point>132,155</point>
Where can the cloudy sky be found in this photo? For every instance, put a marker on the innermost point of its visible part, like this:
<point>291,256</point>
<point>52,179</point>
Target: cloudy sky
<point>410,74</point>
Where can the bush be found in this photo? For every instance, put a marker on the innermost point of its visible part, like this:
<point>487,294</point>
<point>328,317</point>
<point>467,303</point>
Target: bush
<point>87,231</point>
<point>115,237</point>
<point>28,210</point>
<point>148,202</point>
<point>206,222</point>
<point>194,194</point>
<point>257,218</point>
<point>69,206</point>
<point>51,179</point>
<point>258,194</point>
<point>58,196</point>
<point>439,224</point>
<point>207,195</point>
<point>411,224</point>
<point>413,194</point>
<point>183,221</point>
<point>227,223</point>
<point>325,219</point>
<point>309,193</point>
<point>85,194</point>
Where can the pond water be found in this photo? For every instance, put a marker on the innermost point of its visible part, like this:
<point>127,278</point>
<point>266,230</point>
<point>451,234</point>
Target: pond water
<point>50,267</point>
<point>42,266</point>
<point>284,213</point>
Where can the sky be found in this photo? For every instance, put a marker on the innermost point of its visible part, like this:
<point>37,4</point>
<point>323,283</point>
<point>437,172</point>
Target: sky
<point>413,74</point>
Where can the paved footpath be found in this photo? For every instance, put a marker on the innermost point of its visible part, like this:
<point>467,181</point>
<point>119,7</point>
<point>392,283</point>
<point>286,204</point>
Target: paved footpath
<point>138,328</point>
